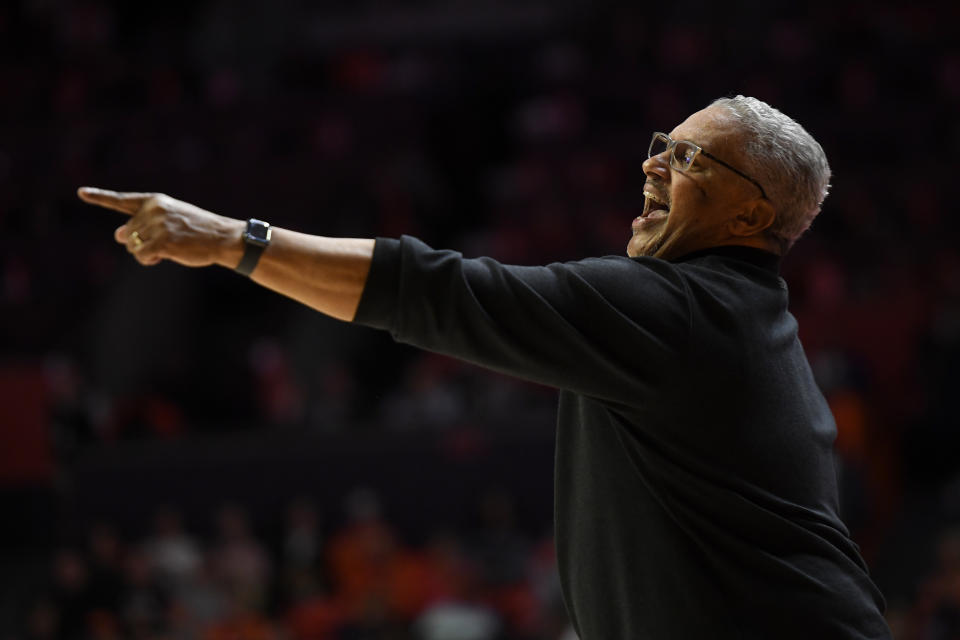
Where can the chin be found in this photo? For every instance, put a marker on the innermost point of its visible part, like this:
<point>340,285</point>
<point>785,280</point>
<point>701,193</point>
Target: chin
<point>649,246</point>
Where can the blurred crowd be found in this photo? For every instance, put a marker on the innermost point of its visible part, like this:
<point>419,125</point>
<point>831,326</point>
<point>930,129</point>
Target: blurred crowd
<point>510,131</point>
<point>356,582</point>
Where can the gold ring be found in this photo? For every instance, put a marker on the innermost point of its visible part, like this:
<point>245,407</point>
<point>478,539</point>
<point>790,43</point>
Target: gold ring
<point>137,240</point>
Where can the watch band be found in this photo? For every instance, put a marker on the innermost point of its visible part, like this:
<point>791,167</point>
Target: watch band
<point>257,238</point>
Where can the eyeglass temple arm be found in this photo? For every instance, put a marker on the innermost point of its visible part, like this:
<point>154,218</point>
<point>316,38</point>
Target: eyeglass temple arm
<point>736,171</point>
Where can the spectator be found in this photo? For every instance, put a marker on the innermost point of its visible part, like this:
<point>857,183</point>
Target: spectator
<point>105,567</point>
<point>302,552</point>
<point>172,553</point>
<point>240,562</point>
<point>72,596</point>
<point>144,602</point>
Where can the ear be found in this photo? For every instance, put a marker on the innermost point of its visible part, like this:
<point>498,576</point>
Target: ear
<point>755,217</point>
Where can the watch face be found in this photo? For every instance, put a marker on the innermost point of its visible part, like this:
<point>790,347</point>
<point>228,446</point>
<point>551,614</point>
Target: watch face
<point>258,231</point>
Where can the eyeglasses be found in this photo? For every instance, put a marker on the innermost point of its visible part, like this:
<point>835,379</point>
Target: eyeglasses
<point>684,152</point>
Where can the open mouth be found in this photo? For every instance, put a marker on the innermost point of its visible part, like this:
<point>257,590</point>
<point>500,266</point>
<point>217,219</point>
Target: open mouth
<point>654,206</point>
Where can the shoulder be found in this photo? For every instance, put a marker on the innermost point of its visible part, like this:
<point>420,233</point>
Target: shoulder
<point>636,286</point>
<point>628,274</point>
<point>623,267</point>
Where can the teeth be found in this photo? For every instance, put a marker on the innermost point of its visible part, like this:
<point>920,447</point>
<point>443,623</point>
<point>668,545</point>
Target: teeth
<point>651,199</point>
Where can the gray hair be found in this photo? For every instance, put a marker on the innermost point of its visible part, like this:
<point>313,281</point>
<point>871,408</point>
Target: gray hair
<point>786,160</point>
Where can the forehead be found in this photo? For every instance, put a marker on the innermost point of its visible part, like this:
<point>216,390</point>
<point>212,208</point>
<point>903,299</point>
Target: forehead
<point>711,128</point>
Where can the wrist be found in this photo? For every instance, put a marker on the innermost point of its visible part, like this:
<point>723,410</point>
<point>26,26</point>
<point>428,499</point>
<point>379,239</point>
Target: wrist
<point>231,244</point>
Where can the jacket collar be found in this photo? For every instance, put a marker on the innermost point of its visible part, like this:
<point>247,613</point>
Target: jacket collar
<point>757,257</point>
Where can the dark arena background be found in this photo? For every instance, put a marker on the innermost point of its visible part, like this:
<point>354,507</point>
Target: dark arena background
<point>185,455</point>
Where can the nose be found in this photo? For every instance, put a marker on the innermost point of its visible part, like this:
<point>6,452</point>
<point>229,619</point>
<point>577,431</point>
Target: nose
<point>657,167</point>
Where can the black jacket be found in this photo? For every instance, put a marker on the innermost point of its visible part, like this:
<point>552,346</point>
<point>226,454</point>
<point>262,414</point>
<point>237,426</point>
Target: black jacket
<point>696,491</point>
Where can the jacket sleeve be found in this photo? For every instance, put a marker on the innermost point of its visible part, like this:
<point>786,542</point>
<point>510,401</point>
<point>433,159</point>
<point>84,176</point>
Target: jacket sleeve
<point>604,327</point>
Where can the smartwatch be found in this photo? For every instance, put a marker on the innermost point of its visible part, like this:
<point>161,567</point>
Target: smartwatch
<point>257,238</point>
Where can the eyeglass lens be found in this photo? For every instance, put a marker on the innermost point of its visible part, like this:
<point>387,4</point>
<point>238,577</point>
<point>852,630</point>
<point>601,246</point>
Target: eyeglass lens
<point>683,152</point>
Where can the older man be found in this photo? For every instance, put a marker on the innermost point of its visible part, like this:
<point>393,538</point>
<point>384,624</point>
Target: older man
<point>695,485</point>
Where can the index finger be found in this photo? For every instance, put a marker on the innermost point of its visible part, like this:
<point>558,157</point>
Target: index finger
<point>128,202</point>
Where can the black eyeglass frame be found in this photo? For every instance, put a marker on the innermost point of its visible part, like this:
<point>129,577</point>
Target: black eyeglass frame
<point>684,166</point>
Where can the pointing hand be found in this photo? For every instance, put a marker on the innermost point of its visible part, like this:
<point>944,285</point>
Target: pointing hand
<point>161,227</point>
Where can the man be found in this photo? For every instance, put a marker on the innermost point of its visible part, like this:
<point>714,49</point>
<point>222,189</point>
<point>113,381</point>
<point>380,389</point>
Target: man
<point>695,485</point>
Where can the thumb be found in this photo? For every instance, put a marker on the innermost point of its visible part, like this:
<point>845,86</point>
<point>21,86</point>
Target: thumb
<point>128,202</point>
<point>122,234</point>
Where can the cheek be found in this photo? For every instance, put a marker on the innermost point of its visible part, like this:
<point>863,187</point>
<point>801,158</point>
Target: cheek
<point>695,209</point>
<point>691,195</point>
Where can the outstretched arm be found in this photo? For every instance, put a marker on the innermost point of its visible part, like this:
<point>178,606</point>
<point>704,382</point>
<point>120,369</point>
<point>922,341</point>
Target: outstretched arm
<point>327,274</point>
